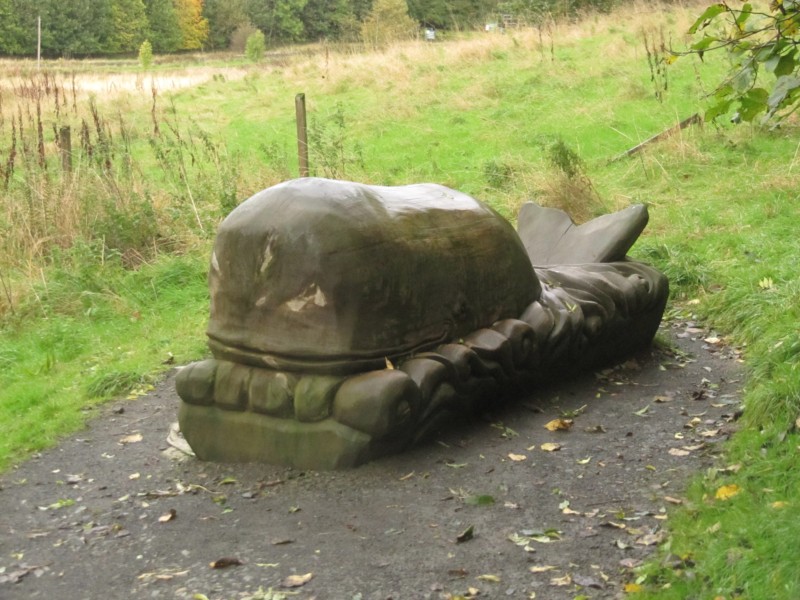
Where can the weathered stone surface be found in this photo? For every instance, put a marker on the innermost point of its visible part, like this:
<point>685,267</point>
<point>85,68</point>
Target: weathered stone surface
<point>195,382</point>
<point>272,392</point>
<point>551,238</point>
<point>320,287</point>
<point>377,403</point>
<point>320,275</point>
<point>313,397</point>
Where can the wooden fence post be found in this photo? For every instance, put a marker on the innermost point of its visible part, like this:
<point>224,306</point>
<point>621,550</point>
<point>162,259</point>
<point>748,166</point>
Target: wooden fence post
<point>302,134</point>
<point>65,145</point>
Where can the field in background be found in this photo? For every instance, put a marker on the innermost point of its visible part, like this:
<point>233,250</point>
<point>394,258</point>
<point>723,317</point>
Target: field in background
<point>102,266</point>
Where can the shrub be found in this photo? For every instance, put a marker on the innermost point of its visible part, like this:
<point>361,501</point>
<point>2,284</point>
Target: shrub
<point>256,46</point>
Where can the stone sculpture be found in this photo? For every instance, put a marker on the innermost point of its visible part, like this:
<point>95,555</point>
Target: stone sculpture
<point>349,321</point>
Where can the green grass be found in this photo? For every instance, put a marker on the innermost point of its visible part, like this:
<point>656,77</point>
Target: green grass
<point>92,334</point>
<point>480,114</point>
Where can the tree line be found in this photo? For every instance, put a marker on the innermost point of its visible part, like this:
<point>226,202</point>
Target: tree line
<point>107,27</point>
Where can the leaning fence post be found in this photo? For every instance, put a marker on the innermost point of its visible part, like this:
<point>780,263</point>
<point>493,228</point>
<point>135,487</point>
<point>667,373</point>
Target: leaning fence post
<point>302,134</point>
<point>65,145</point>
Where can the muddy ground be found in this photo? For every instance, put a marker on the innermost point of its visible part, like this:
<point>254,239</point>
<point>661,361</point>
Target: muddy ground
<point>484,511</point>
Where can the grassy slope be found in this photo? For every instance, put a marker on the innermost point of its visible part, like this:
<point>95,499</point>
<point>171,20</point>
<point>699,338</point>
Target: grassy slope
<point>481,115</point>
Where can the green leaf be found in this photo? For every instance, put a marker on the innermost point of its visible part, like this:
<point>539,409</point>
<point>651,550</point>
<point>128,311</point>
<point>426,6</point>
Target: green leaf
<point>482,500</point>
<point>704,19</point>
<point>704,43</point>
<point>753,103</point>
<point>745,13</point>
<point>718,109</point>
<point>786,64</point>
<point>783,87</point>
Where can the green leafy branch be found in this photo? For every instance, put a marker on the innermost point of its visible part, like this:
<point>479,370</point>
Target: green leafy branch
<point>755,41</point>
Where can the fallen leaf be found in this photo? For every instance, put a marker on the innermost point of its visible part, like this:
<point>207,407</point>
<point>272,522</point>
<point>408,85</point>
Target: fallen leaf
<point>561,581</point>
<point>642,412</point>
<point>224,563</point>
<point>661,399</point>
<point>651,539</point>
<point>453,465</point>
<point>672,500</point>
<point>542,568</point>
<point>407,476</point>
<point>466,535</point>
<point>462,572</point>
<point>389,365</point>
<point>727,491</point>
<point>779,504</point>
<point>161,575</point>
<point>621,545</point>
<point>678,452</point>
<point>559,424</point>
<point>584,461</point>
<point>632,588</point>
<point>482,500</point>
<point>517,457</point>
<point>550,447</point>
<point>630,563</point>
<point>282,542</point>
<point>586,581</point>
<point>566,510</point>
<point>228,481</point>
<point>710,433</point>
<point>293,581</point>
<point>489,578</point>
<point>131,439</point>
<point>171,515</point>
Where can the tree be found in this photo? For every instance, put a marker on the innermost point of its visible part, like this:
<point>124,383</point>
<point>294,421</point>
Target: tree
<point>128,25</point>
<point>11,30</point>
<point>224,17</point>
<point>280,20</point>
<point>388,21</point>
<point>331,19</point>
<point>256,46</point>
<point>146,55</point>
<point>756,42</point>
<point>77,27</point>
<point>164,32</point>
<point>192,24</point>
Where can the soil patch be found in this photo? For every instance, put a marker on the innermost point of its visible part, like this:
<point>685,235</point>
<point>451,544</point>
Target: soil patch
<point>485,511</point>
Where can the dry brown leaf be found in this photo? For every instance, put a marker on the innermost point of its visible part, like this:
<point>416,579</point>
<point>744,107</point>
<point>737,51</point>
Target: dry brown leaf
<point>559,424</point>
<point>672,500</point>
<point>710,433</point>
<point>293,581</point>
<point>678,452</point>
<point>560,581</point>
<point>542,568</point>
<point>489,578</point>
<point>171,515</point>
<point>517,457</point>
<point>550,447</point>
<point>131,439</point>
<point>224,563</point>
<point>651,539</point>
